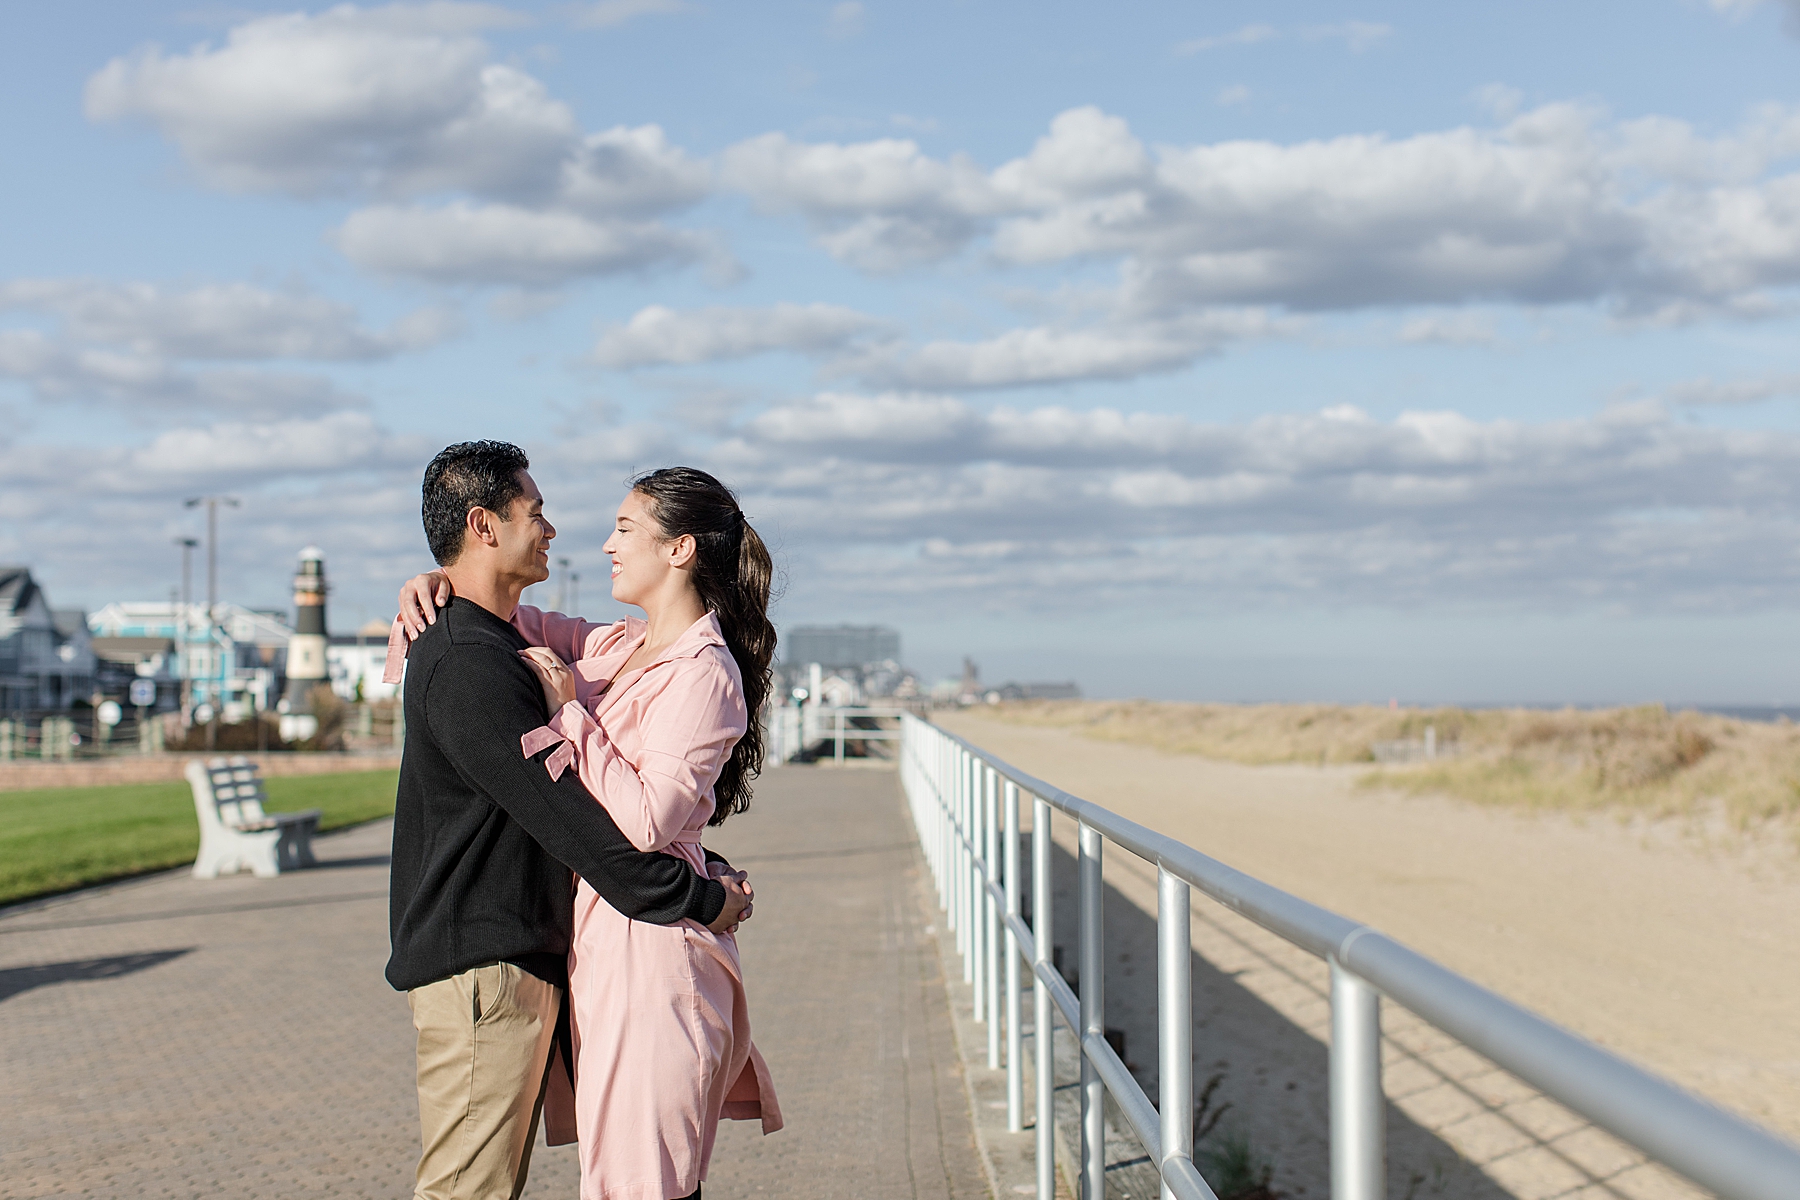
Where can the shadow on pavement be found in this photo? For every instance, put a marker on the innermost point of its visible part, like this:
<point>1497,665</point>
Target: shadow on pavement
<point>14,980</point>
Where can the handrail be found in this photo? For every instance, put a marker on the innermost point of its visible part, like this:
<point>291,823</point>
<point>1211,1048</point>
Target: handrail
<point>959,794</point>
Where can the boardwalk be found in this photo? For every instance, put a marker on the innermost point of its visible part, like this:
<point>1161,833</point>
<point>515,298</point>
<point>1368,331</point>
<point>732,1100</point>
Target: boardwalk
<point>171,1037</point>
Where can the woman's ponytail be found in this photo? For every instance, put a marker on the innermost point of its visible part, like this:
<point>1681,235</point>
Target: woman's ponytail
<point>733,574</point>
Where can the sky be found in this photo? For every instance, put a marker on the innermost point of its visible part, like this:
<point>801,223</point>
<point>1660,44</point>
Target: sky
<point>1245,351</point>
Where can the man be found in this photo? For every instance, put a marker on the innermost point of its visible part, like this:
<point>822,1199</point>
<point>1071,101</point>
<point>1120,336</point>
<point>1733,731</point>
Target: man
<point>480,902</point>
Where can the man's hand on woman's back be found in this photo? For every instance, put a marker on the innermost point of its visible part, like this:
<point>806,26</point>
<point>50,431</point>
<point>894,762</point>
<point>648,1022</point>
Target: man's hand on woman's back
<point>738,896</point>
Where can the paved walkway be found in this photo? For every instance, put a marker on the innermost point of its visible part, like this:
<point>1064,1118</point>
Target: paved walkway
<point>173,1037</point>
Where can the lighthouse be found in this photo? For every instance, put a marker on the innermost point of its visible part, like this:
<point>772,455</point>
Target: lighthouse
<point>306,649</point>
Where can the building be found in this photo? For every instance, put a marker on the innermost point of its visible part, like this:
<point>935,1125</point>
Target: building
<point>840,647</point>
<point>866,657</point>
<point>357,661</point>
<point>234,665</point>
<point>121,662</point>
<point>46,661</point>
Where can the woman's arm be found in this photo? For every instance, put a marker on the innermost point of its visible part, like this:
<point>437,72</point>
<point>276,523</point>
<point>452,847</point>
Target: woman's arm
<point>422,595</point>
<point>691,725</point>
<point>567,637</point>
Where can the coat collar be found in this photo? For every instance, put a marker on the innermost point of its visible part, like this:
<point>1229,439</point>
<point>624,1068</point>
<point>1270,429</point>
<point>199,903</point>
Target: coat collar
<point>693,640</point>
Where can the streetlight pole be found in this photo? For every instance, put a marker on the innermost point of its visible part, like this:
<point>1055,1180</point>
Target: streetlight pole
<point>574,594</point>
<point>187,545</point>
<point>562,588</point>
<point>217,700</point>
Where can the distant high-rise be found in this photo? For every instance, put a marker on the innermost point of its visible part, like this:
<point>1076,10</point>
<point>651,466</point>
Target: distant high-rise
<point>306,668</point>
<point>836,647</point>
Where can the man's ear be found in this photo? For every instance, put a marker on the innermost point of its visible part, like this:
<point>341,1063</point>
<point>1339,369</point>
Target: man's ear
<point>682,551</point>
<point>480,526</point>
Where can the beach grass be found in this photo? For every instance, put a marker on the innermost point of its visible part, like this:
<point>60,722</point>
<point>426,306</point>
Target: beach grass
<point>1643,760</point>
<point>53,839</point>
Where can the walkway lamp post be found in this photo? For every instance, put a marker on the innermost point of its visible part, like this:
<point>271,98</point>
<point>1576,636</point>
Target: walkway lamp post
<point>187,545</point>
<point>212,588</point>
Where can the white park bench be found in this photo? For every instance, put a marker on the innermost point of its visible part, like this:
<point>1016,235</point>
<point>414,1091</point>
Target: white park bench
<point>235,832</point>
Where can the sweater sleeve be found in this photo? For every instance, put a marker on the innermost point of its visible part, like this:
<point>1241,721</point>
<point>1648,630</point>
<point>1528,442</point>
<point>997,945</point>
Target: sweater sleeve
<point>694,720</point>
<point>566,637</point>
<point>480,702</point>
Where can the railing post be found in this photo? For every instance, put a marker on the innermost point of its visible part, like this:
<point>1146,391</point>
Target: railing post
<point>1175,1019</point>
<point>977,889</point>
<point>1358,1151</point>
<point>1043,1032</point>
<point>965,858</point>
<point>1093,1015</point>
<point>1015,1044</point>
<point>990,922</point>
<point>945,797</point>
<point>840,737</point>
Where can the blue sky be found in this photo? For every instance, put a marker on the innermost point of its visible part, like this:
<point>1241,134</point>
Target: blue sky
<point>1252,351</point>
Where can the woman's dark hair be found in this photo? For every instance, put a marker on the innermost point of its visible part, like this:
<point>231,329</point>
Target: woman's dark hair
<point>732,573</point>
<point>464,476</point>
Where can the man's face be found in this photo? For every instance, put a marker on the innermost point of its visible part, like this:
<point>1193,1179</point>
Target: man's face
<point>525,535</point>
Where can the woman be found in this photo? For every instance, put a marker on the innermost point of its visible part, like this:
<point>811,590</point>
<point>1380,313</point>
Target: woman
<point>656,716</point>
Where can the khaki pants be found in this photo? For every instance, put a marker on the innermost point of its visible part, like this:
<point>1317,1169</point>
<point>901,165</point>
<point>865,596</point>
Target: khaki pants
<point>484,1046</point>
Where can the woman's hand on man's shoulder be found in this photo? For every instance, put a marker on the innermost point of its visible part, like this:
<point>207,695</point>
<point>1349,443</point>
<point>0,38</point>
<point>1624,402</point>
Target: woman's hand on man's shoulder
<point>420,598</point>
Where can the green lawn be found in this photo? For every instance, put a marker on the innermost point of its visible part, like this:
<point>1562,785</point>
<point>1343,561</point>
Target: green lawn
<point>58,838</point>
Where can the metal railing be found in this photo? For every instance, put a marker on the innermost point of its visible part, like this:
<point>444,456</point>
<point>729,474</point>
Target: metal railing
<point>789,731</point>
<point>965,803</point>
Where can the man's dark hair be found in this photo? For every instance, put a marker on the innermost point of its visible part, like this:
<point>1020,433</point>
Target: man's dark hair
<point>464,476</point>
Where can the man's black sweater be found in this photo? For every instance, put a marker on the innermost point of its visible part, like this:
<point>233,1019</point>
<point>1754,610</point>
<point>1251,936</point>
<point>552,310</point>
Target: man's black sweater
<point>484,839</point>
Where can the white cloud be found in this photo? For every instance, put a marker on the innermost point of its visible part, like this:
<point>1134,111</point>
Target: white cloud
<point>1236,94</point>
<point>146,387</point>
<point>1357,36</point>
<point>402,103</point>
<point>219,321</point>
<point>906,494</point>
<point>1248,35</point>
<point>880,205</point>
<point>498,243</point>
<point>846,19</point>
<point>1706,392</point>
<point>606,14</point>
<point>662,336</point>
<point>1044,355</point>
<point>1450,328</point>
<point>1557,205</point>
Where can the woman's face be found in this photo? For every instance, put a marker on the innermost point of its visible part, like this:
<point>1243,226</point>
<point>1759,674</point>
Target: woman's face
<point>640,562</point>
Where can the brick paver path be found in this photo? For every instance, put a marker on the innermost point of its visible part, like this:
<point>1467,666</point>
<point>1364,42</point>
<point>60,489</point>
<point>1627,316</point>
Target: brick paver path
<point>176,1037</point>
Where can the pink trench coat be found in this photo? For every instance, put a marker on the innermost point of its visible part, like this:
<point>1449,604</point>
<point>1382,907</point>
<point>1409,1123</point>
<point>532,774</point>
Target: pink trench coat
<point>661,1026</point>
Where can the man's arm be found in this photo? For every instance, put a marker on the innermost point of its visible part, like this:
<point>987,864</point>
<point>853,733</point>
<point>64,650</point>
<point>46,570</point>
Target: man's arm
<point>481,701</point>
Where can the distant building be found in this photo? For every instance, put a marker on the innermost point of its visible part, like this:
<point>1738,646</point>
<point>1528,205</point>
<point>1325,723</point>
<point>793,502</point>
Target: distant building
<point>865,657</point>
<point>357,660</point>
<point>237,664</point>
<point>836,647</point>
<point>46,661</point>
<point>120,662</point>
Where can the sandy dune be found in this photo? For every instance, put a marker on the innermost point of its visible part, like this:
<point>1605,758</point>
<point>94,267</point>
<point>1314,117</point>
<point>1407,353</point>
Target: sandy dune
<point>1680,958</point>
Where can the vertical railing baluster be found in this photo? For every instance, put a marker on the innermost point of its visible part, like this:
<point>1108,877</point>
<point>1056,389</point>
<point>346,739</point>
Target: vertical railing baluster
<point>1358,1117</point>
<point>977,890</point>
<point>1015,1043</point>
<point>1043,1032</point>
<point>966,845</point>
<point>1175,1020</point>
<point>1093,1015</point>
<point>990,910</point>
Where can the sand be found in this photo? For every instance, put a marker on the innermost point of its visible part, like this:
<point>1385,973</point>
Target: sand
<point>1676,954</point>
